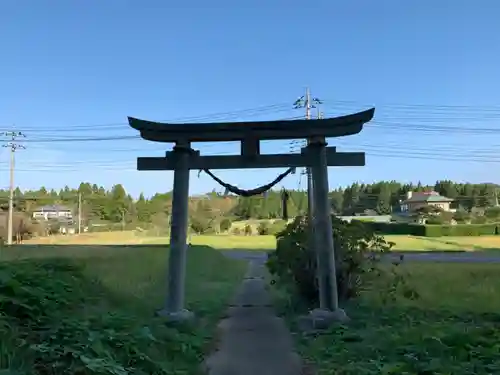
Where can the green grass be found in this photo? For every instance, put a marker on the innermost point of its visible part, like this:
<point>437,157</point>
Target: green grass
<point>236,242</point>
<point>416,243</point>
<point>402,243</point>
<point>227,242</point>
<point>443,321</point>
<point>90,309</point>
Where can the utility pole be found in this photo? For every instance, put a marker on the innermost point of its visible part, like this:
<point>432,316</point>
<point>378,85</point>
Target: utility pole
<point>79,213</point>
<point>308,103</point>
<point>123,220</point>
<point>13,148</point>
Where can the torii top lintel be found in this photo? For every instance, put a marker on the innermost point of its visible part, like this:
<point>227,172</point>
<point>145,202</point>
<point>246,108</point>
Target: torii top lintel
<point>261,130</point>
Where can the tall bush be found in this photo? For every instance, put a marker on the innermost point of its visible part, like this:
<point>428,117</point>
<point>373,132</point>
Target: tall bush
<point>396,228</point>
<point>357,249</point>
<point>225,225</point>
<point>263,228</point>
<point>248,230</point>
<point>277,226</point>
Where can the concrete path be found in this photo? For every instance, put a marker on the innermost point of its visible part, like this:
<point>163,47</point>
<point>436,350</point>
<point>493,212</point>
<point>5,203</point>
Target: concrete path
<point>449,257</point>
<point>252,339</point>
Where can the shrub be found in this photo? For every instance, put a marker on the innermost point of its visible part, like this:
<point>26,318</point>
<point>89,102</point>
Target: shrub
<point>199,225</point>
<point>53,226</point>
<point>435,220</point>
<point>248,230</point>
<point>396,228</point>
<point>236,231</point>
<point>461,217</point>
<point>479,220</point>
<point>263,228</point>
<point>277,226</point>
<point>492,212</point>
<point>225,225</point>
<point>356,252</point>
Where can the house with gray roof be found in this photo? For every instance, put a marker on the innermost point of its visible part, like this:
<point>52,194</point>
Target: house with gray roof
<point>417,200</point>
<point>53,211</point>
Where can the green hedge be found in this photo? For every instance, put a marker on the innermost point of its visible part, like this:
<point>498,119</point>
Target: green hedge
<point>396,228</point>
<point>461,230</point>
<point>435,230</point>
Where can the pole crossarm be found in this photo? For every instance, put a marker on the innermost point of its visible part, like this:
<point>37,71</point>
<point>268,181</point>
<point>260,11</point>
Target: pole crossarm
<point>197,162</point>
<point>264,130</point>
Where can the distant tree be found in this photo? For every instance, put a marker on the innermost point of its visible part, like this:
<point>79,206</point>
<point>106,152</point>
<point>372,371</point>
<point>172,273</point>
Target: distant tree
<point>462,216</point>
<point>225,224</point>
<point>53,226</point>
<point>263,228</point>
<point>248,230</point>
<point>492,212</point>
<point>199,225</point>
<point>143,209</point>
<point>215,210</point>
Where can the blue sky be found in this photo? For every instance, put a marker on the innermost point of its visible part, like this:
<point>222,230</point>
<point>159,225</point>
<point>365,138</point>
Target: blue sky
<point>73,69</point>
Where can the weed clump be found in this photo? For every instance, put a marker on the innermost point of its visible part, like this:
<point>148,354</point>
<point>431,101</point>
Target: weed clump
<point>55,319</point>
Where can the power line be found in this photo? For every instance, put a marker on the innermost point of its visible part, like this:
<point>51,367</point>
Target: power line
<point>493,111</point>
<point>396,149</point>
<point>249,112</point>
<point>404,126</point>
<point>419,106</point>
<point>417,124</point>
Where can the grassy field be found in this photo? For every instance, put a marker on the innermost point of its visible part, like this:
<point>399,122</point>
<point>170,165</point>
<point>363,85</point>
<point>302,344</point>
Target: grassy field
<point>224,242</point>
<point>478,243</point>
<point>402,243</point>
<point>444,320</point>
<point>95,238</point>
<point>90,309</point>
<point>221,242</point>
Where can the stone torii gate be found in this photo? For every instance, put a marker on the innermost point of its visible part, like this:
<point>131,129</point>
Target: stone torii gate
<point>316,155</point>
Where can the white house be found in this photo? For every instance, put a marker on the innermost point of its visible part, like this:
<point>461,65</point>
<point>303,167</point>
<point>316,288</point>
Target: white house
<point>53,212</point>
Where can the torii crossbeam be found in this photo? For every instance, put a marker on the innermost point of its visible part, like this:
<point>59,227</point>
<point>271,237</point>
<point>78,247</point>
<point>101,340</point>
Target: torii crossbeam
<point>316,155</point>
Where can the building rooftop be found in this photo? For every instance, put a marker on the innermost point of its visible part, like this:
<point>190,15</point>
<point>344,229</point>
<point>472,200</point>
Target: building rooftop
<point>53,208</point>
<point>427,196</point>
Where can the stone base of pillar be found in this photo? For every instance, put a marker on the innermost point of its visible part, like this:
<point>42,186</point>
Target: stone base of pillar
<point>176,317</point>
<point>321,319</point>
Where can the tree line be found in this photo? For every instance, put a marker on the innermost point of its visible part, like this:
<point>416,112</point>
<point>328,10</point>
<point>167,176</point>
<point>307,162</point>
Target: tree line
<point>115,205</point>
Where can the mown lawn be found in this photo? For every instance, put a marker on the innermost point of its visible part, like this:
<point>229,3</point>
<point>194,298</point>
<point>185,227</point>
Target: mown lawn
<point>443,320</point>
<point>90,309</point>
<point>255,242</point>
<point>472,243</point>
<point>402,243</point>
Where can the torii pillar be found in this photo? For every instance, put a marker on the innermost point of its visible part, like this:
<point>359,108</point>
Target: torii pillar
<point>316,156</point>
<point>322,221</point>
<point>174,304</point>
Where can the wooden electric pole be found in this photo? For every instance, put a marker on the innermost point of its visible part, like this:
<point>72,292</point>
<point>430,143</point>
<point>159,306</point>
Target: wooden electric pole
<point>123,220</point>
<point>79,213</point>
<point>13,146</point>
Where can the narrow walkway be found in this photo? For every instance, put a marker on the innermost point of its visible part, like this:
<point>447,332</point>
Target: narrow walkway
<point>252,339</point>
